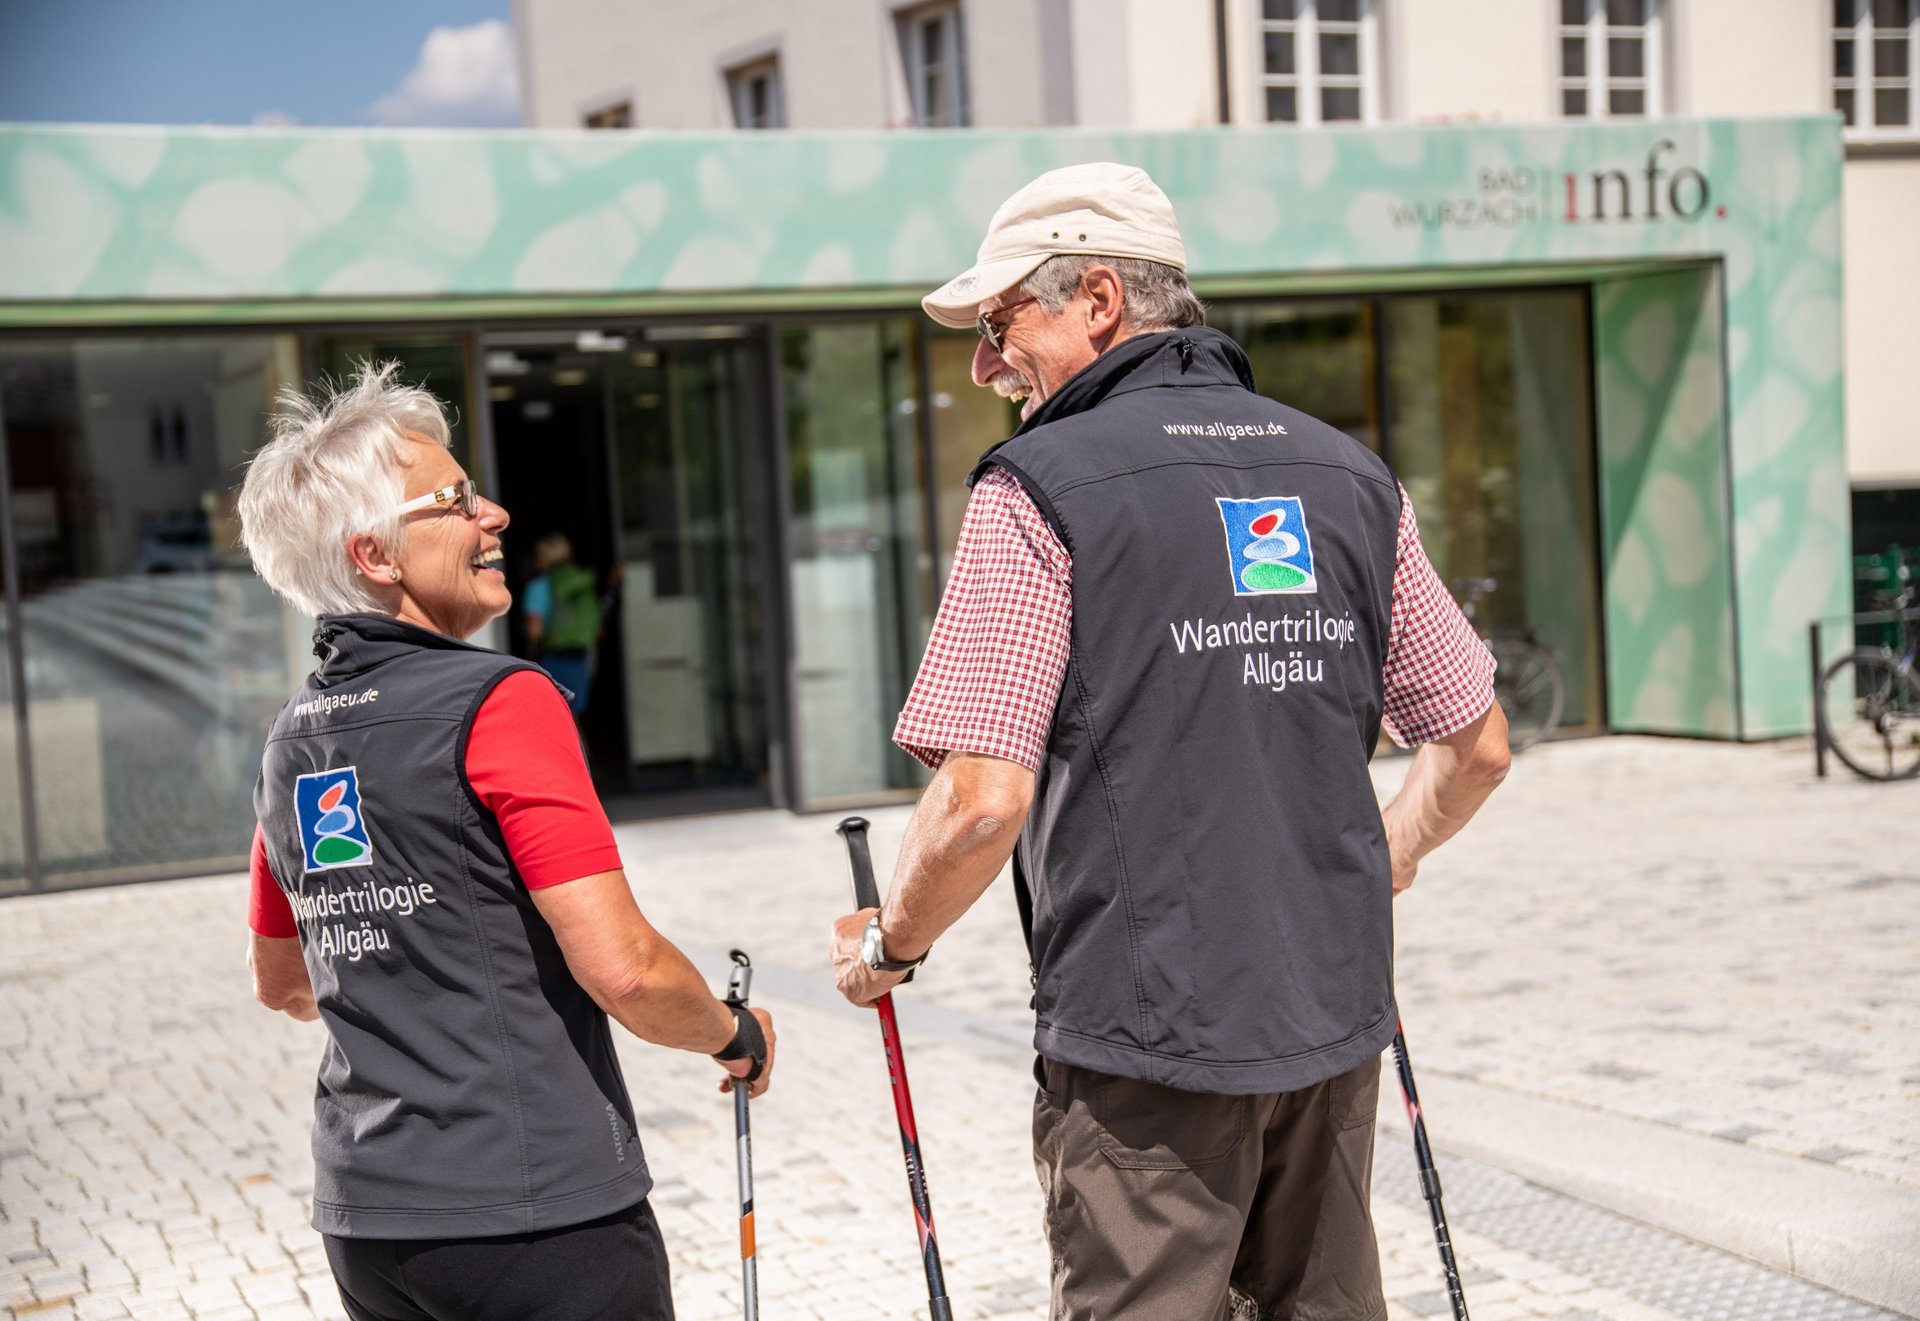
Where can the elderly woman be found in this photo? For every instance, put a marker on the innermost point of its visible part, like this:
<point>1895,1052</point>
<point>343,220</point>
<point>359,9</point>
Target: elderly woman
<point>434,878</point>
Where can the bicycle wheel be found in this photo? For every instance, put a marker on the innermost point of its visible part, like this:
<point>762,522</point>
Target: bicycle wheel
<point>1528,686</point>
<point>1869,714</point>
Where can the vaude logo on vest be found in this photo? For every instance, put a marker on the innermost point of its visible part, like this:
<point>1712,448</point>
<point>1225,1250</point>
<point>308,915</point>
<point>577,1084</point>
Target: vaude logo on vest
<point>1268,550</point>
<point>333,830</point>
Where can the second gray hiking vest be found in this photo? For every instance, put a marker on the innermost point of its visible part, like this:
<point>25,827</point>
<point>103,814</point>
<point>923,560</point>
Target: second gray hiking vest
<point>469,1085</point>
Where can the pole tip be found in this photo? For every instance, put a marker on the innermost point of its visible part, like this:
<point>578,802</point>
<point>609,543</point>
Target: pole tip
<point>739,957</point>
<point>852,823</point>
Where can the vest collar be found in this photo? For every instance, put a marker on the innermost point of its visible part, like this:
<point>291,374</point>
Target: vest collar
<point>1197,355</point>
<point>350,645</point>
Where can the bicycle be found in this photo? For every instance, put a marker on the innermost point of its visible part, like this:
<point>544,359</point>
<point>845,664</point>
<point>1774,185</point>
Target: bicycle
<point>1526,678</point>
<point>1869,707</point>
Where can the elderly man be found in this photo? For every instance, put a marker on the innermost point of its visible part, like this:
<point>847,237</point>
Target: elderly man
<point>1180,613</point>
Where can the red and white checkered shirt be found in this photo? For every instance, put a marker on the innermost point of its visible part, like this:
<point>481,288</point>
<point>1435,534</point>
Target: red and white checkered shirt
<point>998,653</point>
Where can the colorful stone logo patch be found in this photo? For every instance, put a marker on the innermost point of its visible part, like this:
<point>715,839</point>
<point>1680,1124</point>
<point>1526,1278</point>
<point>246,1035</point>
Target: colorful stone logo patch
<point>332,829</point>
<point>1268,550</point>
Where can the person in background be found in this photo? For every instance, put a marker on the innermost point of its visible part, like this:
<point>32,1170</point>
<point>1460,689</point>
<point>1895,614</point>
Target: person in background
<point>561,610</point>
<point>434,880</point>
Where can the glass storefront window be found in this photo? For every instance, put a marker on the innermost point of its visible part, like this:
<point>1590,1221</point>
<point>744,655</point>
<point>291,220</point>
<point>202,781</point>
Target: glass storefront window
<point>13,822</point>
<point>966,420</point>
<point>1491,433</point>
<point>1318,357</point>
<point>436,362</point>
<point>851,390</point>
<point>155,658</point>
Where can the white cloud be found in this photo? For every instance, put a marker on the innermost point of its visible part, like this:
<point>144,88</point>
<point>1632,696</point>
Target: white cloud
<point>274,119</point>
<point>465,77</point>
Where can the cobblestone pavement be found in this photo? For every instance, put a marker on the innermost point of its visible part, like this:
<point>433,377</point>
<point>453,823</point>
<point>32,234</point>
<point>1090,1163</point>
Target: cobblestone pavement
<point>1690,933</point>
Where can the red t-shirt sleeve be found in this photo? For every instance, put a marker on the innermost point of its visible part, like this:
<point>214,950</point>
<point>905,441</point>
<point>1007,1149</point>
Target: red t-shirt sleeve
<point>523,760</point>
<point>268,913</point>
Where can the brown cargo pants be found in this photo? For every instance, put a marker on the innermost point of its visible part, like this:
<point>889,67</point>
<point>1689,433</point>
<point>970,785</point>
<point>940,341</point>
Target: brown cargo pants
<point>1159,1202</point>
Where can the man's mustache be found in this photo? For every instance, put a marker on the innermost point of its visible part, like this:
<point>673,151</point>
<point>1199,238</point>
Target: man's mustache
<point>1010,384</point>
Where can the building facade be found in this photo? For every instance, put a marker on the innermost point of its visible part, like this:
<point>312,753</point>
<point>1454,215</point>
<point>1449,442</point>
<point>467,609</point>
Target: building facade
<point>1171,64</point>
<point>1604,358</point>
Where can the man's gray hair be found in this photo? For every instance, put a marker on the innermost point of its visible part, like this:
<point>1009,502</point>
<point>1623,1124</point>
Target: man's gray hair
<point>1157,296</point>
<point>333,468</point>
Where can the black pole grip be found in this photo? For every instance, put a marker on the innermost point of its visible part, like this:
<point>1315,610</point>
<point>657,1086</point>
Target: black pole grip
<point>866,893</point>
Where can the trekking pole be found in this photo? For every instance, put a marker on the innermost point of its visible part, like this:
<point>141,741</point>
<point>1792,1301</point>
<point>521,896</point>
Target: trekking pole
<point>866,894</point>
<point>1429,1177</point>
<point>737,983</point>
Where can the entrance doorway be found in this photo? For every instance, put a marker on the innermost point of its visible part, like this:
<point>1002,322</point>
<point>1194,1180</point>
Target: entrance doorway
<point>639,449</point>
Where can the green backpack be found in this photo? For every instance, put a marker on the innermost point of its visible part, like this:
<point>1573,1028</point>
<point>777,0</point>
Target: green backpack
<point>574,624</point>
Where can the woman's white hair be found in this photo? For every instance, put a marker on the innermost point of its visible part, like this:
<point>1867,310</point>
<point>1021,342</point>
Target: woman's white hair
<point>333,468</point>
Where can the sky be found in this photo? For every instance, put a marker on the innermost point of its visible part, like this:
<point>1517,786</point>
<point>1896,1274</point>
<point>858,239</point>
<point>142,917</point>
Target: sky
<point>320,62</point>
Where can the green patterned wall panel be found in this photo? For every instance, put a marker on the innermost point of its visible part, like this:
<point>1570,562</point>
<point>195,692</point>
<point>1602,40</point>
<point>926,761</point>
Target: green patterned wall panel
<point>1665,524</point>
<point>1786,388</point>
<point>94,222</point>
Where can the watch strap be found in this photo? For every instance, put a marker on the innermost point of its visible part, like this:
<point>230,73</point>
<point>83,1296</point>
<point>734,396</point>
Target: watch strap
<point>894,965</point>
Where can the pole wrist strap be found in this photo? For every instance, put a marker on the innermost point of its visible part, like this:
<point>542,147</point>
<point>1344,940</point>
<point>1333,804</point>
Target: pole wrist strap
<point>748,1041</point>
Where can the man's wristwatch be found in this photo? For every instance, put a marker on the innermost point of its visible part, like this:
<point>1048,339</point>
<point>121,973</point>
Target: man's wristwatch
<point>748,1042</point>
<point>873,951</point>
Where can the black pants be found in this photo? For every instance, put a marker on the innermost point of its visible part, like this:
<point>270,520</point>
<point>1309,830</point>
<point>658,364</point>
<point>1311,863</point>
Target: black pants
<point>610,1269</point>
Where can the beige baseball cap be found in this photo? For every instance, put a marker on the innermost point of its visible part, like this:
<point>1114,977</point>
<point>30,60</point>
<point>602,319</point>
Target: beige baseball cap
<point>1103,210</point>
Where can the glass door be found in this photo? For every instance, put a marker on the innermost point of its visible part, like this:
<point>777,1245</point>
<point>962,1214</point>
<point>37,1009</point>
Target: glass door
<point>860,579</point>
<point>637,450</point>
<point>691,532</point>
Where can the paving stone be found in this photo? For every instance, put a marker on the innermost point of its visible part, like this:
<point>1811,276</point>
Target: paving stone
<point>1689,933</point>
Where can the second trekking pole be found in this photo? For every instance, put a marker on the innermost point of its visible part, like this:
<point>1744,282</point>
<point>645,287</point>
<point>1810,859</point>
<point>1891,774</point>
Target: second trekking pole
<point>866,894</point>
<point>739,981</point>
<point>1429,1177</point>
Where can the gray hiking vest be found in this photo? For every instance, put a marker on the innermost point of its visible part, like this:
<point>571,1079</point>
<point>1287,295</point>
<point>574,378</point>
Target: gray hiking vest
<point>469,1085</point>
<point>1210,889</point>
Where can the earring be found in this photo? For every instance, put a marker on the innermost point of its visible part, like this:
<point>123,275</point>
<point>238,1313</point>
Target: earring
<point>393,575</point>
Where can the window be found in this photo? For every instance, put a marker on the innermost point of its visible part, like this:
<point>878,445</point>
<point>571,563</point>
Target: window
<point>933,50</point>
<point>617,115</point>
<point>1317,61</point>
<point>1876,44</point>
<point>154,657</point>
<point>1610,58</point>
<point>754,90</point>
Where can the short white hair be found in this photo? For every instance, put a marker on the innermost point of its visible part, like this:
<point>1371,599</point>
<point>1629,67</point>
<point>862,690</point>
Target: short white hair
<point>333,468</point>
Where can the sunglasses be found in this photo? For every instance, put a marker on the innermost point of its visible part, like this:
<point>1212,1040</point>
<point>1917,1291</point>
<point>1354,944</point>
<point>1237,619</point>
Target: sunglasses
<point>463,496</point>
<point>995,332</point>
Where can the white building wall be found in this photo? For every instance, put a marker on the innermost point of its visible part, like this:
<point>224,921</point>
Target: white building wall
<point>1470,59</point>
<point>1882,319</point>
<point>1152,63</point>
<point>1748,57</point>
<point>1008,54</point>
<point>573,59</point>
<point>1170,61</point>
<point>840,60</point>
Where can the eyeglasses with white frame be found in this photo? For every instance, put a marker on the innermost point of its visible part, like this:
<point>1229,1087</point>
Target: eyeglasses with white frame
<point>462,496</point>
